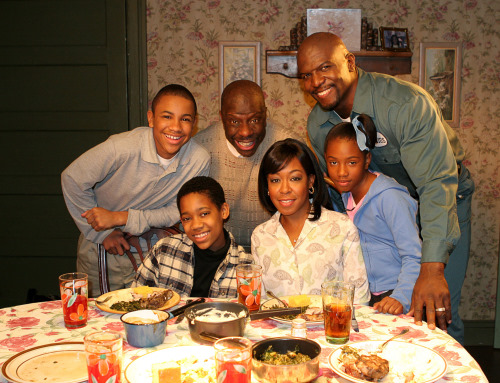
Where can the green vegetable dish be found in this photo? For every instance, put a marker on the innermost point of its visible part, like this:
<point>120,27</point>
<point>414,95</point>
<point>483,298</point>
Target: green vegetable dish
<point>291,357</point>
<point>127,306</point>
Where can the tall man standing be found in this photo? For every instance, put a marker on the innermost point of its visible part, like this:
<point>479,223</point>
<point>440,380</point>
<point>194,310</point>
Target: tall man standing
<point>236,148</point>
<point>416,147</point>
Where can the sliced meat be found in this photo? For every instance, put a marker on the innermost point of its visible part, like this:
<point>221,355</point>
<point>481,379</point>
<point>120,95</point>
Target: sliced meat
<point>156,299</point>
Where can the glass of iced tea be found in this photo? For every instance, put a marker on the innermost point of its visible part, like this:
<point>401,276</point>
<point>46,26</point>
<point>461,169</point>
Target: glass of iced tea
<point>74,293</point>
<point>233,360</point>
<point>337,298</point>
<point>249,277</point>
<point>104,356</point>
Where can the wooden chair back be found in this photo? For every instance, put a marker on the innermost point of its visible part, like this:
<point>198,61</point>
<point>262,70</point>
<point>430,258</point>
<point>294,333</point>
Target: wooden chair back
<point>134,241</point>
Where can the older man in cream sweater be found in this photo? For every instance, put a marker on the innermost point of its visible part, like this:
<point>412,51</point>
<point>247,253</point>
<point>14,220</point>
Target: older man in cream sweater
<point>236,147</point>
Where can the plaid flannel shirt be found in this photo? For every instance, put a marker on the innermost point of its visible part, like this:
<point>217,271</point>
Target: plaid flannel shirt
<point>170,264</point>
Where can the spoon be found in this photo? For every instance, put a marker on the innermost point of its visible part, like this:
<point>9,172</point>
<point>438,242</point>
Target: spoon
<point>403,331</point>
<point>272,295</point>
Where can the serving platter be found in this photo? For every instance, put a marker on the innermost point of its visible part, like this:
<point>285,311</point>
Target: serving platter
<point>106,306</point>
<point>140,369</point>
<point>404,357</point>
<point>36,364</point>
<point>274,303</point>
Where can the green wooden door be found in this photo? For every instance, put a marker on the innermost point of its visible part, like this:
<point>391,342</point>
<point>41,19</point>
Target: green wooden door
<point>64,85</point>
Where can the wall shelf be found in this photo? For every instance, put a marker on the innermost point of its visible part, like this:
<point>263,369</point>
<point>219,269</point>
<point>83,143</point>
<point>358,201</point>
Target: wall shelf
<point>285,62</point>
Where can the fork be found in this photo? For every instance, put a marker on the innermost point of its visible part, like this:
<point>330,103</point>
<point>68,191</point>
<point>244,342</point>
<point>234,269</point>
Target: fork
<point>104,300</point>
<point>402,332</point>
<point>273,295</point>
<point>354,322</point>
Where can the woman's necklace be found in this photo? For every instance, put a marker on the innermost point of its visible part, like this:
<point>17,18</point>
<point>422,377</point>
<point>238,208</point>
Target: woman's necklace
<point>292,230</point>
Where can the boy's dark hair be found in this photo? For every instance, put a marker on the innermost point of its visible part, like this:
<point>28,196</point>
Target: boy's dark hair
<point>173,90</point>
<point>346,130</point>
<point>277,157</point>
<point>202,185</point>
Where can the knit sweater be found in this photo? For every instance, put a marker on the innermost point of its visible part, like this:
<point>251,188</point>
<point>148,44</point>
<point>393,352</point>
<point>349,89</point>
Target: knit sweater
<point>238,178</point>
<point>124,173</point>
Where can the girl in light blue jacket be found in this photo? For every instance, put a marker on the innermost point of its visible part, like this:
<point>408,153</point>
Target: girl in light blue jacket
<point>382,210</point>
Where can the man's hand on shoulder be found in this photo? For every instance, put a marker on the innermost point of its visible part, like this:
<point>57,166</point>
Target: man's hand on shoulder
<point>102,219</point>
<point>431,291</point>
<point>115,243</point>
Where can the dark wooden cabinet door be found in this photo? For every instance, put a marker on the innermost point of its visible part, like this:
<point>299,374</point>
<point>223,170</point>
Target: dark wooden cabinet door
<point>63,89</point>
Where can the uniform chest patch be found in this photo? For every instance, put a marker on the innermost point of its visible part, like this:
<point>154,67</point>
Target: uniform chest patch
<point>381,140</point>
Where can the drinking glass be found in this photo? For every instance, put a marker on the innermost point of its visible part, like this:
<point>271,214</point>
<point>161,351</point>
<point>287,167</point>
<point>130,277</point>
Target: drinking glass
<point>337,298</point>
<point>233,360</point>
<point>104,356</point>
<point>249,277</point>
<point>74,292</point>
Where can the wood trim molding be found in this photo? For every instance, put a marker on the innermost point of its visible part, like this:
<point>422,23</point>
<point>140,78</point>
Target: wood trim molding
<point>479,333</point>
<point>137,74</point>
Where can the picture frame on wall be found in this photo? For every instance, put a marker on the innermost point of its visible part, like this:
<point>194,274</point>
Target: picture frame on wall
<point>345,23</point>
<point>394,39</point>
<point>238,60</point>
<point>440,75</point>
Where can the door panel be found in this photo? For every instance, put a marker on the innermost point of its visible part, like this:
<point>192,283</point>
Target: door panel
<point>64,77</point>
<point>55,88</point>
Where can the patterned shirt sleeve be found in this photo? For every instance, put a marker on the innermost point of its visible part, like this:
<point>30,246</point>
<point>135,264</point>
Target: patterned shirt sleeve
<point>169,264</point>
<point>354,265</point>
<point>224,284</point>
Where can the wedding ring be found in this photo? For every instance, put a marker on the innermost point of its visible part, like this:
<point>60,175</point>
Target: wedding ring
<point>441,309</point>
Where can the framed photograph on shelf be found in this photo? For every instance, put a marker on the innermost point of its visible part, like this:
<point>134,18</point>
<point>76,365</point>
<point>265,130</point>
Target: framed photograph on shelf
<point>238,60</point>
<point>395,39</point>
<point>440,71</point>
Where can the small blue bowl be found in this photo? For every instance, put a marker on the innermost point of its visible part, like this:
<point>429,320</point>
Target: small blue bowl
<point>142,334</point>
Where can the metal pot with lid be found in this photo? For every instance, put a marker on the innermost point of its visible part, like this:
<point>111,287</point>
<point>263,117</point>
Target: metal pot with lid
<point>223,319</point>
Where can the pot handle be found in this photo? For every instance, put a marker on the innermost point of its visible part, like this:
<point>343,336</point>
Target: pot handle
<point>212,338</point>
<point>209,337</point>
<point>181,309</point>
<point>275,312</point>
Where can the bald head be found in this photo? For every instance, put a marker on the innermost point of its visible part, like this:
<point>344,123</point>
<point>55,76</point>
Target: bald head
<point>328,71</point>
<point>324,40</point>
<point>243,114</point>
<point>242,91</point>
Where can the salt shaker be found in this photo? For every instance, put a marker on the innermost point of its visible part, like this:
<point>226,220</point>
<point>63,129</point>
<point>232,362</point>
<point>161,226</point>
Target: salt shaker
<point>299,328</point>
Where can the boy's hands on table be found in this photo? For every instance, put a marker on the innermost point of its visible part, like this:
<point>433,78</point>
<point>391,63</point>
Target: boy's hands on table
<point>389,305</point>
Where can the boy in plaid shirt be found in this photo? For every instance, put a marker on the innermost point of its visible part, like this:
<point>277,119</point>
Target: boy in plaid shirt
<point>202,261</point>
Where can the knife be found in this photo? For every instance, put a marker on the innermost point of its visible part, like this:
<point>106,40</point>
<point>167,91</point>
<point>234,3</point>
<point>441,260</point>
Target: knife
<point>354,322</point>
<point>275,312</point>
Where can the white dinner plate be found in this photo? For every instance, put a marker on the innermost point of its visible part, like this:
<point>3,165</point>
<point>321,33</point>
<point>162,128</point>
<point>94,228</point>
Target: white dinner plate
<point>315,302</point>
<point>51,363</point>
<point>140,370</point>
<point>427,365</point>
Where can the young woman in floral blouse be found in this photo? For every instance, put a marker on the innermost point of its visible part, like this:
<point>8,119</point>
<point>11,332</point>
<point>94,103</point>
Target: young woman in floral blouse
<point>304,243</point>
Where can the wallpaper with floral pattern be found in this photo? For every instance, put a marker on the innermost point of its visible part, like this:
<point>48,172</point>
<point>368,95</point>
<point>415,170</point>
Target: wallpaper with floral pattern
<point>183,37</point>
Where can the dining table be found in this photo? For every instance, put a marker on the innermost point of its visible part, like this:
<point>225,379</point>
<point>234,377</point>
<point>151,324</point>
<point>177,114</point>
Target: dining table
<point>25,326</point>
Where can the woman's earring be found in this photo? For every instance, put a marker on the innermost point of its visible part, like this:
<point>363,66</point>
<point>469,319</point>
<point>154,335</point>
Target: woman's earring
<point>311,190</point>
<point>268,192</point>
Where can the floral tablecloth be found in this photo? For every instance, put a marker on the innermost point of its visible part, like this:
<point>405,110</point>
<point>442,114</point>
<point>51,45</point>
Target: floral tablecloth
<point>35,324</point>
